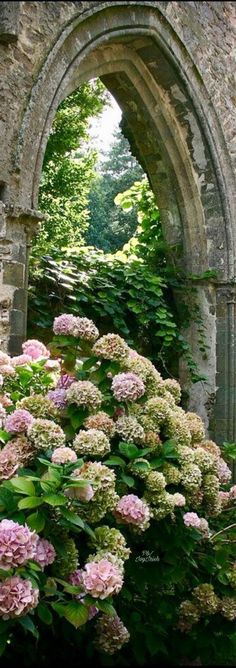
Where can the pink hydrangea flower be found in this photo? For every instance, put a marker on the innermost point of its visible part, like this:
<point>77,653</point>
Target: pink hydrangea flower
<point>133,353</point>
<point>111,634</point>
<point>65,381</point>
<point>84,493</point>
<point>76,578</point>
<point>2,416</point>
<point>1,380</point>
<point>8,370</point>
<point>17,597</point>
<point>21,360</point>
<point>179,499</point>
<point>132,510</point>
<point>58,397</point>
<point>52,365</point>
<point>64,324</point>
<point>45,553</point>
<point>9,462</point>
<point>63,455</point>
<point>119,412</point>
<point>224,472</point>
<point>20,420</point>
<point>17,544</point>
<point>35,349</point>
<point>127,387</point>
<point>232,492</point>
<point>192,520</point>
<point>4,359</point>
<point>102,578</point>
<point>86,329</point>
<point>224,498</point>
<point>5,400</point>
<point>204,527</point>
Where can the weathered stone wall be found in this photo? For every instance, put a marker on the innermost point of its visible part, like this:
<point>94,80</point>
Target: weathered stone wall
<point>171,67</point>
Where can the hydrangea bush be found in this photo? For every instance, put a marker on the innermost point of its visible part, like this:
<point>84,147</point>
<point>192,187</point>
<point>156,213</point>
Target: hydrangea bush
<point>115,508</point>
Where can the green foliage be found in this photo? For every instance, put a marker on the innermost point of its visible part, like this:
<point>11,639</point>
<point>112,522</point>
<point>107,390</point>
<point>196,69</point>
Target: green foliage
<point>67,171</point>
<point>28,380</point>
<point>110,227</point>
<point>229,450</point>
<point>148,241</point>
<point>124,296</point>
<point>131,291</point>
<point>167,561</point>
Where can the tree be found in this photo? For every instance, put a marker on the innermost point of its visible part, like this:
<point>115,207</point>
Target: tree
<point>68,169</point>
<point>109,227</point>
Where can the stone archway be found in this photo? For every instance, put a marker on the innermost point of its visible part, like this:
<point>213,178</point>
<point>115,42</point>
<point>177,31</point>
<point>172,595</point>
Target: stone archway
<point>171,121</point>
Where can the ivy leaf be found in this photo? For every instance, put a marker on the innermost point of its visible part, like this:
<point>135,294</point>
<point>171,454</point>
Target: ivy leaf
<point>229,450</point>
<point>76,613</point>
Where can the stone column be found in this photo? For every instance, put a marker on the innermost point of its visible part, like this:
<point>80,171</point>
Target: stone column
<point>16,228</point>
<point>224,424</point>
<point>214,400</point>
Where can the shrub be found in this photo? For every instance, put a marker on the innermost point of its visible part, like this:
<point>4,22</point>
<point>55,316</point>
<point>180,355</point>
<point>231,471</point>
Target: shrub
<point>114,498</point>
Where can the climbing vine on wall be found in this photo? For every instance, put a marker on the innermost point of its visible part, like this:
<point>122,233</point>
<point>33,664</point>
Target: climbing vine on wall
<point>131,291</point>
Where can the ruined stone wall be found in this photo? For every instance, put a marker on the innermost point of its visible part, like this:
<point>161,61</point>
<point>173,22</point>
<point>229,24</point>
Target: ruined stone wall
<point>28,31</point>
<point>171,66</point>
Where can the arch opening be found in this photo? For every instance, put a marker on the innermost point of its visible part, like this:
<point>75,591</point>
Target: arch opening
<point>171,125</point>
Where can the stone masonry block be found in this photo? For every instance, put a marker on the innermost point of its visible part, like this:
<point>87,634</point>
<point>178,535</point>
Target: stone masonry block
<point>13,274</point>
<point>14,344</point>
<point>17,319</point>
<point>19,299</point>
